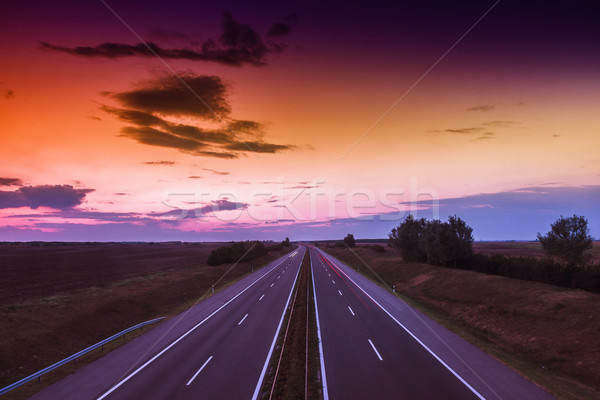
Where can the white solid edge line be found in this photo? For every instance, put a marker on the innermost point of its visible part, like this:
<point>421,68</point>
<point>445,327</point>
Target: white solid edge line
<point>239,323</point>
<point>471,388</point>
<point>266,365</point>
<point>197,372</point>
<point>375,350</point>
<point>323,376</point>
<point>115,387</point>
<point>351,310</point>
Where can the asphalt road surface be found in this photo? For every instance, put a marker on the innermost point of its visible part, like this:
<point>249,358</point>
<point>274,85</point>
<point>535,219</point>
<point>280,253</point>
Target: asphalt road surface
<point>374,346</point>
<point>217,350</point>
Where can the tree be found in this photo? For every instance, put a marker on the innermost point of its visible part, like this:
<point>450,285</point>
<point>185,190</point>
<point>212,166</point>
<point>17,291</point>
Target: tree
<point>407,238</point>
<point>434,242</point>
<point>568,239</point>
<point>286,242</point>
<point>349,240</point>
<point>462,239</point>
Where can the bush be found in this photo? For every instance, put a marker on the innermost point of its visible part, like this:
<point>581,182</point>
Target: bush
<point>235,251</point>
<point>532,269</point>
<point>349,240</point>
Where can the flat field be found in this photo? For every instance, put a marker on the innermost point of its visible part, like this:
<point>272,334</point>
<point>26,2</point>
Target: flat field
<point>57,300</point>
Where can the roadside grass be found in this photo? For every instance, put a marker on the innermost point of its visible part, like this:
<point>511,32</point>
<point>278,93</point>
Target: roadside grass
<point>40,332</point>
<point>546,333</point>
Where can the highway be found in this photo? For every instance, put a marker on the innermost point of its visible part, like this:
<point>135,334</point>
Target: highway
<point>218,350</point>
<point>374,346</point>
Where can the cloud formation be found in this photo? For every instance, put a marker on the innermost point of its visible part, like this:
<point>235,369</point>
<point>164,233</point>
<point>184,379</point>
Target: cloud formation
<point>214,171</point>
<point>160,163</point>
<point>200,96</point>
<point>53,196</point>
<point>481,108</point>
<point>9,94</point>
<point>238,45</point>
<point>213,207</point>
<point>482,130</point>
<point>10,182</point>
<point>149,110</point>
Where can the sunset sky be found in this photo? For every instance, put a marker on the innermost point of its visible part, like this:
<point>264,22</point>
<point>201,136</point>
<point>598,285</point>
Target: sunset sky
<point>193,121</point>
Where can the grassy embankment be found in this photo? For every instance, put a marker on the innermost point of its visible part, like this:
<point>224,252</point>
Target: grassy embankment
<point>48,326</point>
<point>547,333</point>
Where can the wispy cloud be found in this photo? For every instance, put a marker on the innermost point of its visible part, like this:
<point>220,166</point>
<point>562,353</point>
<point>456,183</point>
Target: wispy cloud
<point>9,94</point>
<point>481,108</point>
<point>214,171</point>
<point>482,131</point>
<point>238,44</point>
<point>169,163</point>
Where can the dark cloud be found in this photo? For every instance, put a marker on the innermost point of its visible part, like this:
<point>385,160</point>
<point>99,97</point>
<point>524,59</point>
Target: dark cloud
<point>245,126</point>
<point>482,130</point>
<point>259,147</point>
<point>238,45</point>
<point>52,196</point>
<point>214,171</point>
<point>195,177</point>
<point>9,94</point>
<point>160,163</point>
<point>279,29</point>
<point>155,137</point>
<point>201,96</point>
<point>465,131</point>
<point>148,107</point>
<point>212,207</point>
<point>481,108</point>
<point>10,182</point>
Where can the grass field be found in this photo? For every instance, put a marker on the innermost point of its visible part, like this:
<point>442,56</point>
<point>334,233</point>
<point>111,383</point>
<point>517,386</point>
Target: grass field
<point>126,285</point>
<point>549,334</point>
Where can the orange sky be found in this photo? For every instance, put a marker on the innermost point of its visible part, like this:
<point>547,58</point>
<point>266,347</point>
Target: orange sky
<point>477,123</point>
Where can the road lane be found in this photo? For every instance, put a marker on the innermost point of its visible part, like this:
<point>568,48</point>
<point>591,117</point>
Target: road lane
<point>366,354</point>
<point>202,363</point>
<point>419,358</point>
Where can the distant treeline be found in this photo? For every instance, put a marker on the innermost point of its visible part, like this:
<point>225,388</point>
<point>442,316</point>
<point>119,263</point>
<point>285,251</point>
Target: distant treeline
<point>450,244</point>
<point>536,270</point>
<point>242,252</point>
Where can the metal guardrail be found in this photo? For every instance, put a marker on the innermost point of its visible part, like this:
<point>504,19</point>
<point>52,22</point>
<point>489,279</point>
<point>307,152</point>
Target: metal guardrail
<point>75,356</point>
